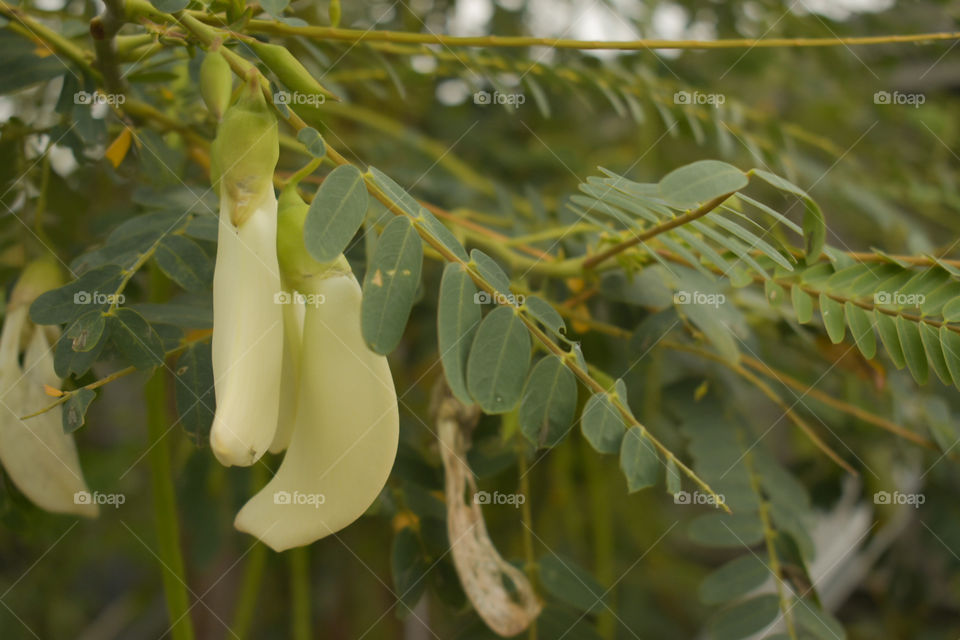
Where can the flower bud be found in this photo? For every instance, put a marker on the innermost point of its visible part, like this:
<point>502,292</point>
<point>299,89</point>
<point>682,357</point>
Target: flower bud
<point>216,82</point>
<point>244,154</point>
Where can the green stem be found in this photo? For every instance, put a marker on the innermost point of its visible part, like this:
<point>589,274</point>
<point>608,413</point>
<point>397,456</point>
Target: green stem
<point>526,514</point>
<point>164,497</point>
<point>253,574</point>
<point>369,35</point>
<point>601,520</point>
<point>299,560</point>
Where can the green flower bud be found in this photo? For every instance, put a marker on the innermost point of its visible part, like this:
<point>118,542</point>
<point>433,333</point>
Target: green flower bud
<point>244,153</point>
<point>293,75</point>
<point>216,82</point>
<point>296,263</point>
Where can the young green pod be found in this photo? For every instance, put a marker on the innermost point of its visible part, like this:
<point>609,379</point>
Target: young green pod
<point>40,459</point>
<point>347,427</point>
<point>293,75</point>
<point>216,82</point>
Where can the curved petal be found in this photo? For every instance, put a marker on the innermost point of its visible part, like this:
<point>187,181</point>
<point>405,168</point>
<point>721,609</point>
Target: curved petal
<point>39,457</point>
<point>345,439</point>
<point>247,335</point>
<point>293,314</point>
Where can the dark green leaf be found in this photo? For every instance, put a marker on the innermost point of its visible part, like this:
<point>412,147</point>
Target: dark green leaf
<point>602,424</point>
<point>745,618</point>
<point>492,273</point>
<point>458,316</point>
<point>726,530</point>
<point>913,352</point>
<point>75,409</point>
<point>337,211</point>
<point>135,339</point>
<point>499,360</point>
<point>860,322</point>
<point>549,403</point>
<point>94,290</point>
<point>639,460</point>
<point>831,312</point>
<point>570,583</point>
<point>887,328</point>
<point>545,314</point>
<point>185,262</point>
<point>734,579</point>
<point>814,225</point>
<point>390,285</point>
<point>194,392</point>
<point>409,568</point>
<point>86,331</point>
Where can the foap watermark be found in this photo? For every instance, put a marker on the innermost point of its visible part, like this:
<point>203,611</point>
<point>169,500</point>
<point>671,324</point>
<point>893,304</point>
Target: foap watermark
<point>85,97</point>
<point>95,297</point>
<point>85,497</point>
<point>910,99</point>
<point>482,297</point>
<point>700,298</point>
<point>312,499</point>
<point>513,499</point>
<point>899,299</point>
<point>697,497</point>
<point>297,97</point>
<point>295,297</point>
<point>512,99</point>
<point>695,97</point>
<point>912,499</point>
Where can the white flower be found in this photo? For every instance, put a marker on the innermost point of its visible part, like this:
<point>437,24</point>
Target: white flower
<point>39,457</point>
<point>247,339</point>
<point>347,426</point>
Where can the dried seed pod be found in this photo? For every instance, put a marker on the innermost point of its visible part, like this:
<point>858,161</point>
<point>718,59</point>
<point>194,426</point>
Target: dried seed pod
<point>482,570</point>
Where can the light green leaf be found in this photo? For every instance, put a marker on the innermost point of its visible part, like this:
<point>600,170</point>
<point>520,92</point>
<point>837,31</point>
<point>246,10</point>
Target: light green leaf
<point>930,338</point>
<point>913,351</point>
<point>860,322</point>
<point>87,330</point>
<point>313,141</point>
<point>814,225</point>
<point>950,342</point>
<point>802,304</point>
<point>390,285</point>
<point>887,328</point>
<point>699,182</point>
<point>545,314</point>
<point>831,312</point>
<point>492,273</point>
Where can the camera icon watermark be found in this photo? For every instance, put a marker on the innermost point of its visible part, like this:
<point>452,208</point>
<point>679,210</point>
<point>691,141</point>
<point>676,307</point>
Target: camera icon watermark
<point>695,97</point>
<point>482,297</point>
<point>85,97</point>
<point>295,297</point>
<point>912,499</point>
<point>699,298</point>
<point>511,99</point>
<point>295,98</point>
<point>697,497</point>
<point>899,299</point>
<point>512,499</point>
<point>910,99</point>
<point>297,498</point>
<point>85,497</point>
<point>95,297</point>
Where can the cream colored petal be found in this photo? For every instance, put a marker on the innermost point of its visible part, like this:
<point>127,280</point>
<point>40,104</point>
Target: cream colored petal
<point>293,313</point>
<point>38,456</point>
<point>345,439</point>
<point>247,339</point>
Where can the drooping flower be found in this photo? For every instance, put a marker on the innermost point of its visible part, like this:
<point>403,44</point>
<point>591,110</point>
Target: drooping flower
<point>39,458</point>
<point>247,321</point>
<point>346,422</point>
